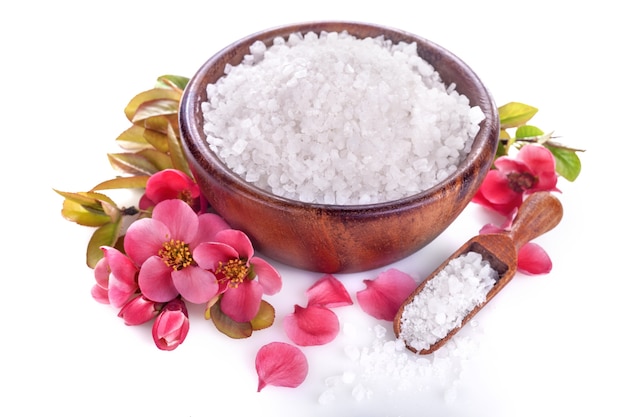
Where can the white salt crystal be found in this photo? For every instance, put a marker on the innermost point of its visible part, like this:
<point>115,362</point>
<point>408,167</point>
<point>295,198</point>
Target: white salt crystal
<point>309,97</point>
<point>441,306</point>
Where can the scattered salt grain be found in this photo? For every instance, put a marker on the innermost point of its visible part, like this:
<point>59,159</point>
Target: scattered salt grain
<point>446,299</point>
<point>333,119</point>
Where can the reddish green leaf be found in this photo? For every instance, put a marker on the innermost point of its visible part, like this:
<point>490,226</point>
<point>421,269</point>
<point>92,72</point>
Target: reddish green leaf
<point>176,153</point>
<point>105,235</point>
<point>132,139</point>
<point>160,160</point>
<point>515,114</point>
<point>172,81</point>
<point>134,163</point>
<point>265,316</point>
<point>137,181</point>
<point>161,107</point>
<point>76,213</point>
<point>143,98</point>
<point>228,326</point>
<point>157,139</point>
<point>161,123</point>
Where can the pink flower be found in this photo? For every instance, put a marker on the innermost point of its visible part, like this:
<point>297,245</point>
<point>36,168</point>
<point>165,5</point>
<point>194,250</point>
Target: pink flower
<point>504,188</point>
<point>116,278</point>
<point>163,245</point>
<point>384,295</point>
<point>171,325</point>
<point>139,310</point>
<point>230,256</point>
<point>171,184</point>
<point>280,364</point>
<point>532,259</point>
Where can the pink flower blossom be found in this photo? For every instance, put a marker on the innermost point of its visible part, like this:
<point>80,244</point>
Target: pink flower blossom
<point>230,256</point>
<point>311,326</point>
<point>171,326</point>
<point>163,246</point>
<point>116,278</point>
<point>171,184</point>
<point>504,188</point>
<point>280,364</point>
<point>139,310</point>
<point>532,259</point>
<point>384,295</point>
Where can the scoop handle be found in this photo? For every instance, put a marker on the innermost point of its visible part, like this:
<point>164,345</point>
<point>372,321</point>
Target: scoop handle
<point>539,213</point>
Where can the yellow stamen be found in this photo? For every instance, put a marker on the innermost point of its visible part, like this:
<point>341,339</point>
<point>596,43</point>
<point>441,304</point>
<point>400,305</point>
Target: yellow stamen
<point>176,254</point>
<point>233,270</point>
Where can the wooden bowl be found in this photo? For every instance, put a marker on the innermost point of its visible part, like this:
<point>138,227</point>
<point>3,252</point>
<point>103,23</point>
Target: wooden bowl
<point>337,238</point>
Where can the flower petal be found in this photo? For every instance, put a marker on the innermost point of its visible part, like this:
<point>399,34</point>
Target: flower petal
<point>311,326</point>
<point>100,294</point>
<point>170,184</point>
<point>384,295</point>
<point>280,364</point>
<point>144,238</point>
<point>180,219</point>
<point>155,280</point>
<point>122,279</point>
<point>138,311</point>
<point>237,240</point>
<point>208,226</point>
<point>268,276</point>
<point>242,303</point>
<point>329,292</point>
<point>196,285</point>
<point>532,259</point>
<point>209,254</point>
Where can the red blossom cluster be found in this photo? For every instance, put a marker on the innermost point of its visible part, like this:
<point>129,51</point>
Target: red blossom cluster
<point>505,188</point>
<point>177,256</point>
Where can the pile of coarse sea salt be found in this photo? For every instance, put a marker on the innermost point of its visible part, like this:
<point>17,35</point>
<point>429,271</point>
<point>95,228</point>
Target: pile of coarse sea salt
<point>384,369</point>
<point>334,119</point>
<point>446,299</point>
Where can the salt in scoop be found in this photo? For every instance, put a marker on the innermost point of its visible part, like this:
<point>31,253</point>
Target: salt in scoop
<point>538,214</point>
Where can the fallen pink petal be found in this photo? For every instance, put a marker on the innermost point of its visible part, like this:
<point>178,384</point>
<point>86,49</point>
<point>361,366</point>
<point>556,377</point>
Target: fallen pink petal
<point>311,326</point>
<point>280,364</point>
<point>329,292</point>
<point>383,296</point>
<point>532,259</point>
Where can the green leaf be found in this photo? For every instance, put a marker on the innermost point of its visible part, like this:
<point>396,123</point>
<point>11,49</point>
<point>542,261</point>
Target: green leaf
<point>77,213</point>
<point>105,235</point>
<point>137,181</point>
<point>157,139</point>
<point>161,107</point>
<point>515,114</point>
<point>228,326</point>
<point>132,139</point>
<point>172,81</point>
<point>568,163</point>
<point>527,131</point>
<point>134,163</point>
<point>265,316</point>
<point>176,153</point>
<point>161,123</point>
<point>143,100</point>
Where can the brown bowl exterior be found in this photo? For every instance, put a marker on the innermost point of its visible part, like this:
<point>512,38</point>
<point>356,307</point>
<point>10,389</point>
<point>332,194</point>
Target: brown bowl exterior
<point>335,238</point>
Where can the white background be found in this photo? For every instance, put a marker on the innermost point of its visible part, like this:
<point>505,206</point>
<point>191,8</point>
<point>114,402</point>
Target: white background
<point>548,345</point>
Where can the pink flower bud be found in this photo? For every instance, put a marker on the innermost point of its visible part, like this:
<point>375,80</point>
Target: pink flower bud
<point>171,325</point>
<point>138,311</point>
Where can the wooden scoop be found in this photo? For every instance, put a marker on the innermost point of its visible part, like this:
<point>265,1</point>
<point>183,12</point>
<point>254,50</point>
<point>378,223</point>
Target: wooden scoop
<point>539,213</point>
